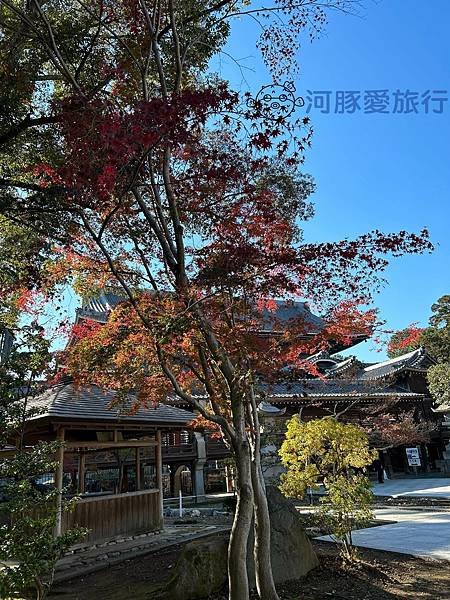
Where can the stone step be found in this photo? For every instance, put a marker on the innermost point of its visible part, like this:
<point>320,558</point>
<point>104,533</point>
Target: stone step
<point>100,557</point>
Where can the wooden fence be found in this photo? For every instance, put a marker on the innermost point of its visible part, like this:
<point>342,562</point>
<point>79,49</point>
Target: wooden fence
<point>108,516</point>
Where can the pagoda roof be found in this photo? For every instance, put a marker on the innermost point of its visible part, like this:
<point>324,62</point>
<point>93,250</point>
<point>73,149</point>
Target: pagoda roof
<point>102,305</point>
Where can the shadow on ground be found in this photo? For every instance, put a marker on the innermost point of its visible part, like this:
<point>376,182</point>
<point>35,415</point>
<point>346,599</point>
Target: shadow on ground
<point>380,576</point>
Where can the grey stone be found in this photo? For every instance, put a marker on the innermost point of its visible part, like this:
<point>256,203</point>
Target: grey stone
<point>292,554</point>
<point>199,572</point>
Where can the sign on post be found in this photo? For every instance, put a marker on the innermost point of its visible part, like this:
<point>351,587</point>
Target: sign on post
<point>413,456</point>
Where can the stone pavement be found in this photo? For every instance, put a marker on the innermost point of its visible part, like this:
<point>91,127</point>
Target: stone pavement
<point>426,487</point>
<point>84,560</point>
<point>421,533</point>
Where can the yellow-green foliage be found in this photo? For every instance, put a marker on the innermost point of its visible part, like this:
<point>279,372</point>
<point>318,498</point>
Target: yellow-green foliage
<point>326,451</point>
<point>317,449</point>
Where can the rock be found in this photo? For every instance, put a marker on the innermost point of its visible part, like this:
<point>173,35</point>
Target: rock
<point>195,513</point>
<point>291,550</point>
<point>201,570</point>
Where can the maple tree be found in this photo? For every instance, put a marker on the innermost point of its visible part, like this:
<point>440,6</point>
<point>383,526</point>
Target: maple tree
<point>436,340</point>
<point>149,174</point>
<point>389,430</point>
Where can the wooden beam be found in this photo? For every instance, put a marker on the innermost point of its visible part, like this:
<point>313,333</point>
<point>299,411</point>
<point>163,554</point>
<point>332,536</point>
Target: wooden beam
<point>59,481</point>
<point>103,445</point>
<point>138,469</point>
<point>159,479</point>
<point>120,426</point>
<point>81,472</point>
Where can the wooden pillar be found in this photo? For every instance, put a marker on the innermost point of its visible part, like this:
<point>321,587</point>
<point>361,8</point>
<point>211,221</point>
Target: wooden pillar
<point>159,478</point>
<point>138,469</point>
<point>81,472</point>
<point>59,481</point>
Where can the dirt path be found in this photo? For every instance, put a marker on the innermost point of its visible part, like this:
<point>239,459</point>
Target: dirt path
<point>381,576</point>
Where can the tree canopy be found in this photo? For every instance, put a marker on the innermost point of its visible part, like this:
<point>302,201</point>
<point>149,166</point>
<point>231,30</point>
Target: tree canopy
<point>436,339</point>
<point>135,166</point>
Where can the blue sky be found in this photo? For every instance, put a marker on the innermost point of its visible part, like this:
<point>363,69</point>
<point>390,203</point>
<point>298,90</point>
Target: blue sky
<point>385,171</point>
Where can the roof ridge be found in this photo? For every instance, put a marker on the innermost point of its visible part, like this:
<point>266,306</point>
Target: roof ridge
<point>394,360</point>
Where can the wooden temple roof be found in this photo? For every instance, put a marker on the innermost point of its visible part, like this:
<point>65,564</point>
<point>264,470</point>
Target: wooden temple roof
<point>418,360</point>
<point>90,403</point>
<point>305,390</point>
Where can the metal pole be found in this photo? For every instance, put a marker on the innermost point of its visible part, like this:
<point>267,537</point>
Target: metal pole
<point>59,481</point>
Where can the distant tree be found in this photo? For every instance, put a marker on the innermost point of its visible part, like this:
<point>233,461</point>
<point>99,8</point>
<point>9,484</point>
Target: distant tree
<point>439,383</point>
<point>405,340</point>
<point>436,339</point>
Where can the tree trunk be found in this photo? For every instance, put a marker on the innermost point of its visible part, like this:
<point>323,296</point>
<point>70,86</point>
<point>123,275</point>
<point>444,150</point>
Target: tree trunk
<point>263,562</point>
<point>237,549</point>
<point>261,551</point>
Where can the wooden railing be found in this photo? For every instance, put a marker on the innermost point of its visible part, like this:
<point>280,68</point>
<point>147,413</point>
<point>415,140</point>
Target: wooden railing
<point>181,450</point>
<point>215,448</point>
<point>108,516</point>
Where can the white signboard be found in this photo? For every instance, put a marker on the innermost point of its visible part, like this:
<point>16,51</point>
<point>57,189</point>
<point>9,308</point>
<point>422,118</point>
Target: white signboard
<point>413,456</point>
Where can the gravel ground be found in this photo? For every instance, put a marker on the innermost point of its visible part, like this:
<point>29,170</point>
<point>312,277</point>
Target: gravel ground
<point>378,576</point>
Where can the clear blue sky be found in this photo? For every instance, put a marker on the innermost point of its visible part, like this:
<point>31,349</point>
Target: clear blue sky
<point>386,171</point>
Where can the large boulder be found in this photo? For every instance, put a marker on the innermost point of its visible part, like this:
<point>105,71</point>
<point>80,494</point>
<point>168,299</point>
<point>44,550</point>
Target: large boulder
<point>292,554</point>
<point>201,569</point>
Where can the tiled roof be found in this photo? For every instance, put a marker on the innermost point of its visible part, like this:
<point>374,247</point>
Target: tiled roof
<point>318,388</point>
<point>104,302</point>
<point>322,356</point>
<point>417,359</point>
<point>287,311</point>
<point>343,366</point>
<point>91,403</point>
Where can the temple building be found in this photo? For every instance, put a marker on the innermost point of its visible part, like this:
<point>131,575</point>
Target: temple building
<point>124,463</point>
<point>358,392</point>
<point>346,387</point>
